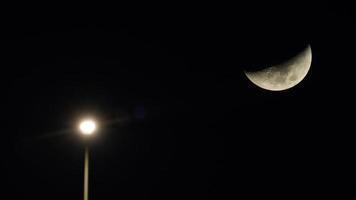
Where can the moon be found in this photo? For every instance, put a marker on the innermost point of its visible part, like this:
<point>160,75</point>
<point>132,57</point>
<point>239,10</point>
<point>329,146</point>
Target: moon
<point>285,75</point>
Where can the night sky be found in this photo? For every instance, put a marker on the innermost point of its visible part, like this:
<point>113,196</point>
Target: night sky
<point>178,117</point>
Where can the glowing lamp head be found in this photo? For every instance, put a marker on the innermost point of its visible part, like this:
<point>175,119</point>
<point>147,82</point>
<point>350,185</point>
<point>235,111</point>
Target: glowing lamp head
<point>87,127</point>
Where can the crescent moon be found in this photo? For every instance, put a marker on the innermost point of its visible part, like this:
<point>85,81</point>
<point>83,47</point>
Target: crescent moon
<point>285,75</point>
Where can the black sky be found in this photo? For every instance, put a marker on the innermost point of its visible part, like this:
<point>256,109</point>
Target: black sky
<point>181,120</point>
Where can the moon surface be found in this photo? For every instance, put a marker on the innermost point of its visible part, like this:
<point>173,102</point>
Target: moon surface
<point>285,75</point>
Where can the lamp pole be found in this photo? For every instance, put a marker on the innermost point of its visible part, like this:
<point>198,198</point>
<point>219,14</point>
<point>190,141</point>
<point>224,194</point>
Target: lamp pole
<point>86,173</point>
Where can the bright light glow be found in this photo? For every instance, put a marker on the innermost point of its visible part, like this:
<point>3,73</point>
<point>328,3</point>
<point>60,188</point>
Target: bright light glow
<point>87,127</point>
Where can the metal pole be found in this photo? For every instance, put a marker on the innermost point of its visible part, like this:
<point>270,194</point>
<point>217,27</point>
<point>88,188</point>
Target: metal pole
<point>86,173</point>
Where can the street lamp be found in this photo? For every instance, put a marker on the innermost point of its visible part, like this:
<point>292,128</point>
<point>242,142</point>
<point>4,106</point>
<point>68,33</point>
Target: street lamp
<point>87,127</point>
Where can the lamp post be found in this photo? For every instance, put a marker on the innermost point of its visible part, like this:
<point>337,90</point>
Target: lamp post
<point>87,127</point>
